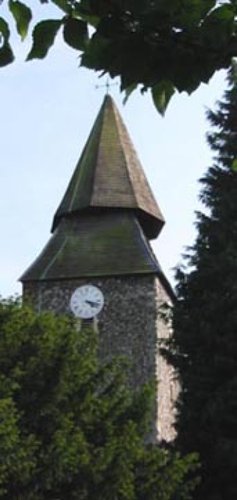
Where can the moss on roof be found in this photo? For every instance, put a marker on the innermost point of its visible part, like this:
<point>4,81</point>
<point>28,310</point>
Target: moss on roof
<point>94,246</point>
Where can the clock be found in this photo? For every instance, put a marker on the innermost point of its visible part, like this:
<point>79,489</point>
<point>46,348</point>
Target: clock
<point>86,301</point>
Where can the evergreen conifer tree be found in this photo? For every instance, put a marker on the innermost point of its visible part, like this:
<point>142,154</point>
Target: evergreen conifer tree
<point>205,317</point>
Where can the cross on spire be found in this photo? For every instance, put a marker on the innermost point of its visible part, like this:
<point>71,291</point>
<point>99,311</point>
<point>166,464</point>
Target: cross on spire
<point>106,85</point>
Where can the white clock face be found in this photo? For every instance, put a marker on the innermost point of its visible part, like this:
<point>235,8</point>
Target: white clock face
<point>86,301</point>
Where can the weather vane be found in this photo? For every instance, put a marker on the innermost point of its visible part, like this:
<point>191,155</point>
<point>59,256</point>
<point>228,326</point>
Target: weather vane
<point>107,85</point>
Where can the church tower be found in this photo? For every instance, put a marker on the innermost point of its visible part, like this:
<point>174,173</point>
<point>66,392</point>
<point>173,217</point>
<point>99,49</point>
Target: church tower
<point>99,263</point>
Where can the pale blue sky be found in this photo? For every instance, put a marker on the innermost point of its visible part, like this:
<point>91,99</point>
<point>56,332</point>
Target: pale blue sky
<point>47,110</point>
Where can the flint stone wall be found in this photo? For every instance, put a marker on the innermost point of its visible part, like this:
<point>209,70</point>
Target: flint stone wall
<point>130,324</point>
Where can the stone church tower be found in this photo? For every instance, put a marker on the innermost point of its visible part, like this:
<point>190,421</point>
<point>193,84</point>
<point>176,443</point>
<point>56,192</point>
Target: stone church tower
<point>99,262</point>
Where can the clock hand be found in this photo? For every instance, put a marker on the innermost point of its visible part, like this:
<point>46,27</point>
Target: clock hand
<point>92,304</point>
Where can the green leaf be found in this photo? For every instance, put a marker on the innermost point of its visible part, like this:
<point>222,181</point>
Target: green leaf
<point>95,52</point>
<point>219,26</point>
<point>75,33</point>
<point>6,54</point>
<point>43,38</point>
<point>22,15</point>
<point>224,13</point>
<point>4,30</point>
<point>161,95</point>
<point>128,91</point>
<point>234,165</point>
<point>190,12</point>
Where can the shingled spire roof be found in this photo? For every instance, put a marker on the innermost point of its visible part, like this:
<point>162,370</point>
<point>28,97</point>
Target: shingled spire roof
<point>90,246</point>
<point>110,176</point>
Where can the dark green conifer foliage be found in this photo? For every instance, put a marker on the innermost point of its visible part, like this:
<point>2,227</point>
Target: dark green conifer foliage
<point>205,317</point>
<point>70,428</point>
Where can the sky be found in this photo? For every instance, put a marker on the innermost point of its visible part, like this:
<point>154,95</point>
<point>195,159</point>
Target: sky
<point>47,109</point>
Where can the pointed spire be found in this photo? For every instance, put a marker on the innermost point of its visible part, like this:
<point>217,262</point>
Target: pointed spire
<point>110,176</point>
